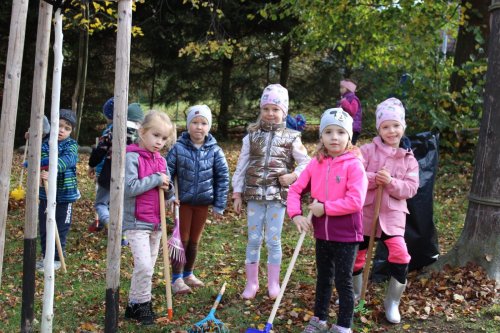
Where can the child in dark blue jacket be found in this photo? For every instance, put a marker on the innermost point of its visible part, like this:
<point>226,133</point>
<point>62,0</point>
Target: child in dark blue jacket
<point>203,179</point>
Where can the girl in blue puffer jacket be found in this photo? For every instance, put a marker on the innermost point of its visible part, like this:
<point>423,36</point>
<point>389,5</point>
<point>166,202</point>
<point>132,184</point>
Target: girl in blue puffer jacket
<point>203,179</point>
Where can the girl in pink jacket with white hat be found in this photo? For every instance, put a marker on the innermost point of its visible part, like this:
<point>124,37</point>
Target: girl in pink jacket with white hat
<point>389,163</point>
<point>337,180</point>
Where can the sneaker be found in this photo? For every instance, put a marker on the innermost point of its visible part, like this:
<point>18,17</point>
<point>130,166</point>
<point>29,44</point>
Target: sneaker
<point>140,312</point>
<point>124,240</point>
<point>180,288</point>
<point>95,226</point>
<point>339,329</point>
<point>193,281</point>
<point>315,326</point>
<point>40,266</point>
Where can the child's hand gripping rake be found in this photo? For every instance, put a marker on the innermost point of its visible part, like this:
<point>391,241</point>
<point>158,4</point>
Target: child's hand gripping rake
<point>210,323</point>
<point>175,247</point>
<point>166,259</point>
<point>269,324</point>
<point>366,271</point>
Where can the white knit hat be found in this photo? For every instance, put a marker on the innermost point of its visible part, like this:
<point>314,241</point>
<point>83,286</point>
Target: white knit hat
<point>201,111</point>
<point>336,116</point>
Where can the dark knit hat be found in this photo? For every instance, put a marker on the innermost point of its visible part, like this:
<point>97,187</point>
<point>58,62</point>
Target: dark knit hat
<point>68,115</point>
<point>46,126</point>
<point>134,113</point>
<point>108,107</point>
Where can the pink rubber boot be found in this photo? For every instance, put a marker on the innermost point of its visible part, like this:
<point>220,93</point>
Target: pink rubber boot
<point>252,286</point>
<point>273,280</point>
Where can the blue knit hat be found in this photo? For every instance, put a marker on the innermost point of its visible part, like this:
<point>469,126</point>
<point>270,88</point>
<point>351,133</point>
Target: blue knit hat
<point>108,108</point>
<point>134,113</point>
<point>297,123</point>
<point>68,115</point>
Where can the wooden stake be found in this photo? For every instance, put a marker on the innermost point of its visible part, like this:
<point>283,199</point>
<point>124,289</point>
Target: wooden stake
<point>369,255</point>
<point>166,257</point>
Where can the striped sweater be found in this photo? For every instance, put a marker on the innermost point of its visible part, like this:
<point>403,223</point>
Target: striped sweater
<point>67,185</point>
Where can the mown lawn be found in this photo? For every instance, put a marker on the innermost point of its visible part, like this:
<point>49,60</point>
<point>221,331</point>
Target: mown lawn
<point>79,295</point>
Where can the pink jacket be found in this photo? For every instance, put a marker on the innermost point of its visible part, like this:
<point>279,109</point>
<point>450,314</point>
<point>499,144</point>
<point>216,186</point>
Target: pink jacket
<point>147,204</point>
<point>404,172</point>
<point>340,184</point>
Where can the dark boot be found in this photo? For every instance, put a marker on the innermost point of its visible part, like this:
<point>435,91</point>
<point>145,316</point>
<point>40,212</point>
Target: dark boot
<point>141,312</point>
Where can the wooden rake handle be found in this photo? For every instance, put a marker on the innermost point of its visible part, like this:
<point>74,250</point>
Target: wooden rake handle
<point>58,240</point>
<point>288,272</point>
<point>366,271</point>
<point>166,258</point>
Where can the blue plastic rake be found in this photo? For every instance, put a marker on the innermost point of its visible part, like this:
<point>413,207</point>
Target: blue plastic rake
<point>210,323</point>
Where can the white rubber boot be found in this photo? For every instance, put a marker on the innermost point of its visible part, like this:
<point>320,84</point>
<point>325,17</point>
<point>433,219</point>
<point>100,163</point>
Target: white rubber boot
<point>391,301</point>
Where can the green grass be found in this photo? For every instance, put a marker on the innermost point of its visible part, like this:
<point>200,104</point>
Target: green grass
<point>79,304</point>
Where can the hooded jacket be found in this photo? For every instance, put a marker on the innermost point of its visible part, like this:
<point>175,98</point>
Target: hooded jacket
<point>403,168</point>
<point>202,173</point>
<point>141,206</point>
<point>339,183</point>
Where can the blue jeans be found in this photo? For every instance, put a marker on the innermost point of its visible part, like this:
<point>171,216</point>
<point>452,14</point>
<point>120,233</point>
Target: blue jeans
<point>101,204</point>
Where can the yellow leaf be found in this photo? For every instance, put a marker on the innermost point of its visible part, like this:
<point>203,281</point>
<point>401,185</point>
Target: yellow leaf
<point>406,326</point>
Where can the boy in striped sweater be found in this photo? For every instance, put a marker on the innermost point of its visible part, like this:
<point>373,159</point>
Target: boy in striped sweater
<point>67,186</point>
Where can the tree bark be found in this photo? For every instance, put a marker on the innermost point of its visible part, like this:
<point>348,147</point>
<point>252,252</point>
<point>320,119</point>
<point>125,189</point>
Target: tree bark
<point>48,286</point>
<point>479,241</point>
<point>122,72</point>
<point>81,77</point>
<point>10,102</point>
<point>286,56</point>
<point>33,173</point>
<point>225,98</point>
<point>466,41</point>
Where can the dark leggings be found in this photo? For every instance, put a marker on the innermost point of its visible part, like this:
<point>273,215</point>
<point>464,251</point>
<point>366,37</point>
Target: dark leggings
<point>335,261</point>
<point>191,225</point>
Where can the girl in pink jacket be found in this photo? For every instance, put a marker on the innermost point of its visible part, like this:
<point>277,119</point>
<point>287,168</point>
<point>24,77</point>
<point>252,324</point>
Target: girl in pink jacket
<point>337,180</point>
<point>389,163</point>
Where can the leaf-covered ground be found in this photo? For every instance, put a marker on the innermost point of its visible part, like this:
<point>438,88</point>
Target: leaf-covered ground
<point>453,300</point>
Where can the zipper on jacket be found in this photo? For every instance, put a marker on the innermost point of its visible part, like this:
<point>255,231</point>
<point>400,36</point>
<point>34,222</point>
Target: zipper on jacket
<point>266,163</point>
<point>197,172</point>
<point>326,198</point>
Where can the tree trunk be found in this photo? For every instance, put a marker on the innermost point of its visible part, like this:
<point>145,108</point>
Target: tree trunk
<point>9,110</point>
<point>113,252</point>
<point>479,241</point>
<point>153,83</point>
<point>466,41</point>
<point>81,77</point>
<point>286,56</point>
<point>48,286</point>
<point>33,174</point>
<point>225,98</point>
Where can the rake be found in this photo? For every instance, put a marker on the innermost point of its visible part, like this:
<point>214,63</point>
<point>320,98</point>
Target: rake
<point>210,323</point>
<point>175,247</point>
<point>19,193</point>
<point>378,201</point>
<point>269,324</point>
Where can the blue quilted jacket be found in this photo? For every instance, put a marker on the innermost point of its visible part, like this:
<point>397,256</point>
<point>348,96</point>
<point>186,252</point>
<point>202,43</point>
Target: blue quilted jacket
<point>202,173</point>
